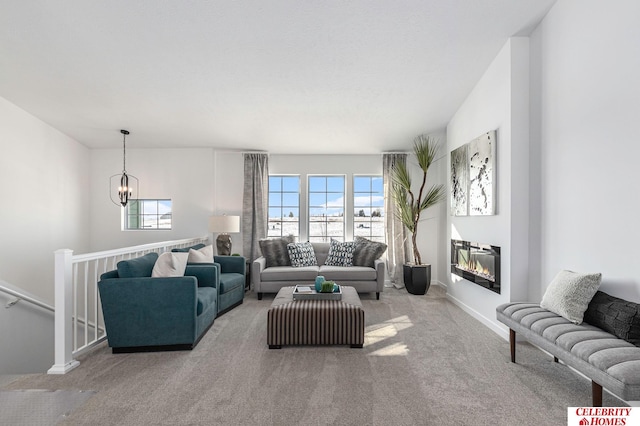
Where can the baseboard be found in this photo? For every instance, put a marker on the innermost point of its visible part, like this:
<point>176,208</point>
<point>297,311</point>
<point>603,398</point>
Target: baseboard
<point>500,331</point>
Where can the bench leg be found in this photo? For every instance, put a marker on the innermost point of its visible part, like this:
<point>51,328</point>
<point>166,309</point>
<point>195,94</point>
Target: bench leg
<point>512,344</point>
<point>378,295</point>
<point>259,296</point>
<point>596,394</point>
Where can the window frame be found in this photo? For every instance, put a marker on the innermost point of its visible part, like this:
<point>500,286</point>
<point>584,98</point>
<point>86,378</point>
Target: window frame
<point>311,192</point>
<point>126,215</point>
<point>357,196</point>
<point>282,205</point>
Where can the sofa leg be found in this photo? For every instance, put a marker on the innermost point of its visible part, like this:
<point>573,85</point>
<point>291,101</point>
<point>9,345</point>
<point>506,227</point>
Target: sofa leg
<point>259,296</point>
<point>378,295</point>
<point>596,394</point>
<point>512,344</point>
<point>555,359</point>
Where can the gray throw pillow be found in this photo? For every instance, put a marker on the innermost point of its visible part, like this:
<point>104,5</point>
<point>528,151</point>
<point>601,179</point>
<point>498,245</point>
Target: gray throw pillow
<point>569,294</point>
<point>616,316</point>
<point>275,251</point>
<point>302,254</point>
<point>366,252</point>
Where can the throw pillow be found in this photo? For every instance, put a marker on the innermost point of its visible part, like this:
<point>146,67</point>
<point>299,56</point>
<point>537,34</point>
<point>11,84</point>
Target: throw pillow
<point>366,252</point>
<point>139,267</point>
<point>616,316</point>
<point>275,252</point>
<point>569,294</point>
<point>186,249</point>
<point>170,264</point>
<point>203,255</point>
<point>340,254</point>
<point>302,254</point>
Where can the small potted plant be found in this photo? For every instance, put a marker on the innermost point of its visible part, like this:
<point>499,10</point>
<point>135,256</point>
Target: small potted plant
<point>410,205</point>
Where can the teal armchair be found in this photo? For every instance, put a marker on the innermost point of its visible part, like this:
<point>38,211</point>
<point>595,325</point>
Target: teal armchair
<point>142,313</point>
<point>232,280</point>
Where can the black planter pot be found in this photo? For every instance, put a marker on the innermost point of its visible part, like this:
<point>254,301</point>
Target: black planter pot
<point>417,278</point>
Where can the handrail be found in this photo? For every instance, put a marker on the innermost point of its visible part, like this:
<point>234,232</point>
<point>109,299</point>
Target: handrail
<point>24,297</point>
<point>76,297</point>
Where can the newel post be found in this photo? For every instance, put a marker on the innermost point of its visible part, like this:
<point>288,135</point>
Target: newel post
<point>63,329</point>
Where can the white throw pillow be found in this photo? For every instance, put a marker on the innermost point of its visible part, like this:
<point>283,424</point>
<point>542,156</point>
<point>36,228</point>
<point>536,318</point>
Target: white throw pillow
<point>569,294</point>
<point>203,255</point>
<point>170,265</point>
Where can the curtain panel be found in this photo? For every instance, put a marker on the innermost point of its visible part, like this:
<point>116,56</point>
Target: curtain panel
<point>395,232</point>
<point>255,203</point>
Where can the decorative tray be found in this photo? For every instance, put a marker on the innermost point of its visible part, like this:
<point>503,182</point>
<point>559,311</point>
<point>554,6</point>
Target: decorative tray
<point>306,292</point>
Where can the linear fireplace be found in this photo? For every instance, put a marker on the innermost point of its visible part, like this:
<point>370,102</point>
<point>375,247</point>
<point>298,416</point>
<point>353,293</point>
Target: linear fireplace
<point>478,263</point>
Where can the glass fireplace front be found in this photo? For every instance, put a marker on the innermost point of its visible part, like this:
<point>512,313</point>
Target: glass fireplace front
<point>478,263</point>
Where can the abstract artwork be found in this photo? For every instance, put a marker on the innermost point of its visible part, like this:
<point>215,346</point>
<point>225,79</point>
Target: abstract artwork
<point>473,183</point>
<point>459,181</point>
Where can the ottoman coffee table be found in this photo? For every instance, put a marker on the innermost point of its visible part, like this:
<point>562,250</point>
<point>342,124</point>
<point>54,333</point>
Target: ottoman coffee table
<point>315,322</point>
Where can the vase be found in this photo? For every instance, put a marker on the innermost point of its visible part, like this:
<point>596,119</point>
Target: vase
<point>417,278</point>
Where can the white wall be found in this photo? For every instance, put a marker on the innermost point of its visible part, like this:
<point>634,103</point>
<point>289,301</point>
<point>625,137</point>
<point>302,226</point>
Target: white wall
<point>499,102</point>
<point>586,98</point>
<point>45,199</point>
<point>186,176</point>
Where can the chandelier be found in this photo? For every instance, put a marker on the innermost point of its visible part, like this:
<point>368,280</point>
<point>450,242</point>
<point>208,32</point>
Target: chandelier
<point>121,193</point>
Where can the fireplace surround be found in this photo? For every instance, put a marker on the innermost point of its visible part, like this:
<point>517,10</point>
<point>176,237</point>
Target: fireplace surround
<point>478,263</point>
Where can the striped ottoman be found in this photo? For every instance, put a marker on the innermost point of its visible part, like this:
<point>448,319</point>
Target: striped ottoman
<point>315,322</point>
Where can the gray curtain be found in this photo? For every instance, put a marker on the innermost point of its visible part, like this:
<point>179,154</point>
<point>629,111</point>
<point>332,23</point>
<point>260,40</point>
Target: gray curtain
<point>395,232</point>
<point>255,203</point>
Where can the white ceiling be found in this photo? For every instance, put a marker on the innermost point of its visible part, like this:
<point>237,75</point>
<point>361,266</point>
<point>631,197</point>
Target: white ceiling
<point>284,76</point>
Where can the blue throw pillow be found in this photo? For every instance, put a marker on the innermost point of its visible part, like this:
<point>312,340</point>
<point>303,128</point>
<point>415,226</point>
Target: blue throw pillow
<point>138,267</point>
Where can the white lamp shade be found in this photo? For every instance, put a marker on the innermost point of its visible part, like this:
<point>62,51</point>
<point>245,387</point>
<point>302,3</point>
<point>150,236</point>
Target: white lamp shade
<point>226,224</point>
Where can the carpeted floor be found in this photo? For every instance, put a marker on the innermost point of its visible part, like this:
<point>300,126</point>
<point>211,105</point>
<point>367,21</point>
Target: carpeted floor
<point>425,362</point>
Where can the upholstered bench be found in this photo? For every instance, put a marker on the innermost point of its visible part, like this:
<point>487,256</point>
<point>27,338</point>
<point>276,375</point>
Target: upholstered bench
<point>315,322</point>
<point>609,361</point>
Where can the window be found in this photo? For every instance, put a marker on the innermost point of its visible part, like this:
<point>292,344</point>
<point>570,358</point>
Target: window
<point>148,214</point>
<point>284,206</point>
<point>368,207</point>
<point>326,208</point>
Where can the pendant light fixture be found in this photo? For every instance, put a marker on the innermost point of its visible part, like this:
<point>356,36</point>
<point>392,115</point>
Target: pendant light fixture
<point>121,193</point>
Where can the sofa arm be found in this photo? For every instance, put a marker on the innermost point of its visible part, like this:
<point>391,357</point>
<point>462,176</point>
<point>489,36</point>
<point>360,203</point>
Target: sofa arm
<point>207,274</point>
<point>149,311</point>
<point>231,264</point>
<point>381,275</point>
<point>257,267</point>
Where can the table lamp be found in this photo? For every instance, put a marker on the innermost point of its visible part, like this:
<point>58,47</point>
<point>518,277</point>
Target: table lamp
<point>224,225</point>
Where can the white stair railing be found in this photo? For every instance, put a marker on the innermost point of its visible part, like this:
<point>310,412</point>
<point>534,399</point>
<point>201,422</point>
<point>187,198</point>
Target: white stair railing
<point>79,325</point>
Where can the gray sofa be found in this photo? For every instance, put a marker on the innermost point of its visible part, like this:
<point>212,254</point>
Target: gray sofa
<point>609,361</point>
<point>271,279</point>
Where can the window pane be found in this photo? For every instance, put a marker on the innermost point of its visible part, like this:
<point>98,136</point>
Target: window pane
<point>317,184</point>
<point>317,199</point>
<point>164,206</point>
<point>361,199</point>
<point>368,206</point>
<point>290,200</point>
<point>377,200</point>
<point>291,184</point>
<point>335,184</point>
<point>148,215</point>
<point>275,183</point>
<point>361,184</point>
<point>377,185</point>
<point>275,199</point>
<point>335,199</point>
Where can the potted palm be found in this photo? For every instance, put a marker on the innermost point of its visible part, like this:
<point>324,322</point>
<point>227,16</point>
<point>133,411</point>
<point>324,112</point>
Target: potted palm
<point>409,208</point>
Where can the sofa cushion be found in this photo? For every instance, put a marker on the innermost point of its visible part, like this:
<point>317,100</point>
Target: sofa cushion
<point>230,280</point>
<point>569,294</point>
<point>202,255</point>
<point>301,254</point>
<point>340,254</point>
<point>289,273</point>
<point>170,264</point>
<point>347,273</point>
<point>186,249</point>
<point>138,267</point>
<point>274,250</point>
<point>366,252</point>
<point>206,296</point>
<point>616,316</point>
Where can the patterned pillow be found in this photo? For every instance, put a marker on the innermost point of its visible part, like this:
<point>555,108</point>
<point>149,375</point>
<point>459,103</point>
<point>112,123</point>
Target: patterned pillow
<point>340,254</point>
<point>302,254</point>
<point>366,252</point>
<point>275,251</point>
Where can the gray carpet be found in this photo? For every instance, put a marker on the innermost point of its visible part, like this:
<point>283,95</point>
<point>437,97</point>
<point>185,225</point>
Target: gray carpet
<point>425,362</point>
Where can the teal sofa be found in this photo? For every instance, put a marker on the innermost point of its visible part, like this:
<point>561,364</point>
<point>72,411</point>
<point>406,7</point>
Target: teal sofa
<point>142,313</point>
